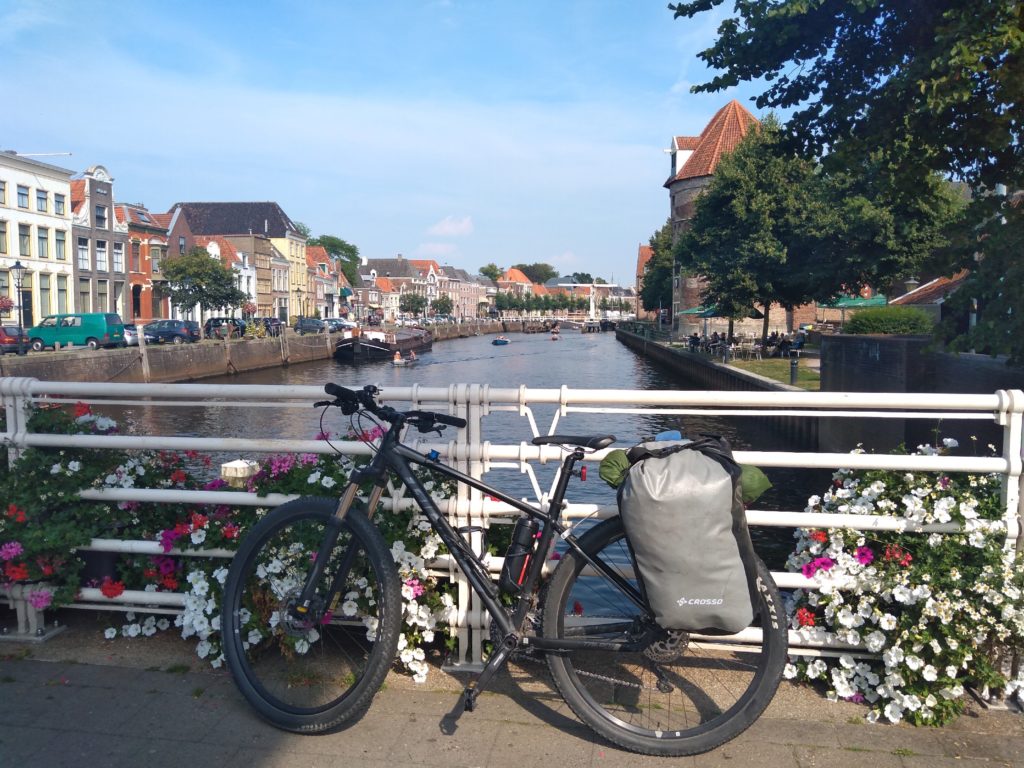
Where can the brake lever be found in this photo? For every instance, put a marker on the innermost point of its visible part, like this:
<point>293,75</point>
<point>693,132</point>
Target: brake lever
<point>324,403</point>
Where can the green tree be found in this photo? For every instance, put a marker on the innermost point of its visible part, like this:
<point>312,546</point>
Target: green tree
<point>303,229</point>
<point>752,233</point>
<point>344,252</point>
<point>198,278</point>
<point>656,290</point>
<point>492,270</point>
<point>940,83</point>
<point>582,277</point>
<point>443,305</point>
<point>538,273</point>
<point>412,303</point>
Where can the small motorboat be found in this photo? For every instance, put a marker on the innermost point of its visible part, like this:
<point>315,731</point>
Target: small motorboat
<point>500,341</point>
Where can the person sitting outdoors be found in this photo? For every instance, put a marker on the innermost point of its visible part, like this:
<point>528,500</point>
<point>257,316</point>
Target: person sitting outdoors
<point>398,356</point>
<point>694,342</point>
<point>412,355</point>
<point>784,346</point>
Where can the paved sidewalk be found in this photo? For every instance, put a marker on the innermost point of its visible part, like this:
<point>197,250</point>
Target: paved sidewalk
<point>148,702</point>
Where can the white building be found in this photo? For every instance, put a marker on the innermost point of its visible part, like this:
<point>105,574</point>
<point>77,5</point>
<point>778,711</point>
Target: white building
<point>35,230</point>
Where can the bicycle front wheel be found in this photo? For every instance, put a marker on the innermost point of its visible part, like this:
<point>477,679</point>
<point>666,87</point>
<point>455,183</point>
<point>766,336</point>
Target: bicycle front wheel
<point>320,671</point>
<point>680,695</point>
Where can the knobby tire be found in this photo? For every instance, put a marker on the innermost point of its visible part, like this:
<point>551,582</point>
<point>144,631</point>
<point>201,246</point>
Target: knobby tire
<point>319,674</point>
<point>715,687</point>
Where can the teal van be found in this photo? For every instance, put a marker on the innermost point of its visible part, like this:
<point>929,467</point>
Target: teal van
<point>82,329</point>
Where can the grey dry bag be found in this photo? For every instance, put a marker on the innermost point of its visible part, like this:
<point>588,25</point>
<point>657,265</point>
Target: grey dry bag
<point>682,509</point>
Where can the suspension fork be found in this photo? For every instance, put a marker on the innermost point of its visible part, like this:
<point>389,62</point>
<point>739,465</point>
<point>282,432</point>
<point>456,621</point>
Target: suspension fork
<point>335,523</point>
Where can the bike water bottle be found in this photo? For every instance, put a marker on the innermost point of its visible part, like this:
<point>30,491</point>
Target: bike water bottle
<point>517,559</point>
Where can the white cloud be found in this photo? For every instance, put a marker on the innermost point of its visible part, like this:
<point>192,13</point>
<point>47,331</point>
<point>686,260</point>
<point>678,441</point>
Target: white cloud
<point>452,226</point>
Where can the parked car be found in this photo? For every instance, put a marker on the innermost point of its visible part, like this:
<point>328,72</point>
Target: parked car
<point>9,335</point>
<point>221,327</point>
<point>309,325</point>
<point>131,335</point>
<point>173,331</point>
<point>81,329</point>
<point>335,324</point>
<point>272,325</point>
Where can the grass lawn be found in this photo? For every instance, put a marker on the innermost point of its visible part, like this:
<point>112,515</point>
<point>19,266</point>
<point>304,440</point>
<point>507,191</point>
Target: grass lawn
<point>806,378</point>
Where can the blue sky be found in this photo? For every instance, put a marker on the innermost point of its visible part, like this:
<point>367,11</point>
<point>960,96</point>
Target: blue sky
<point>467,132</point>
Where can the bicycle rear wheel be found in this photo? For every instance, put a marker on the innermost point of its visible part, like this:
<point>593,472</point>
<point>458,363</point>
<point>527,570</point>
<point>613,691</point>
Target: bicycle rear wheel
<point>313,674</point>
<point>683,694</point>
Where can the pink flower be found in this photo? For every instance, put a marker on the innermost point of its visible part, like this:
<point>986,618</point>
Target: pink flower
<point>864,555</point>
<point>11,550</point>
<point>417,588</point>
<point>40,599</point>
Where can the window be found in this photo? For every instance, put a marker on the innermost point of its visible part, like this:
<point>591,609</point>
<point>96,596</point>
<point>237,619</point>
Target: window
<point>44,294</point>
<point>119,257</point>
<point>155,255</point>
<point>101,256</point>
<point>181,244</point>
<point>3,237</point>
<point>24,239</point>
<point>41,200</point>
<point>60,250</point>
<point>62,294</point>
<point>43,242</point>
<point>101,295</point>
<point>3,193</point>
<point>22,196</point>
<point>136,256</point>
<point>101,217</point>
<point>84,295</point>
<point>83,253</point>
<point>58,204</point>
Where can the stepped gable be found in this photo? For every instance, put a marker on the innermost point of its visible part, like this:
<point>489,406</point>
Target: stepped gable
<point>721,136</point>
<point>266,218</point>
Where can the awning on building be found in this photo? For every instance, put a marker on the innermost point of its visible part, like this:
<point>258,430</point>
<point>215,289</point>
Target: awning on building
<point>855,302</point>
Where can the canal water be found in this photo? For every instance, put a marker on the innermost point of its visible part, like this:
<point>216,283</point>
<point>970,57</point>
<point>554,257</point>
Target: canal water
<point>591,361</point>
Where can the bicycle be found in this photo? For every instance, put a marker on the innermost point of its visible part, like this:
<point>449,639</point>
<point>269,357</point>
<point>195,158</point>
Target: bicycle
<point>320,574</point>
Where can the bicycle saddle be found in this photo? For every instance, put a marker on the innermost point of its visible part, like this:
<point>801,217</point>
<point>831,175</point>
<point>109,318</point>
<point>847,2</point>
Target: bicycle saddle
<point>596,442</point>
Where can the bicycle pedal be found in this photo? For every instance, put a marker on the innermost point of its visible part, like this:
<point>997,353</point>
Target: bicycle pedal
<point>469,699</point>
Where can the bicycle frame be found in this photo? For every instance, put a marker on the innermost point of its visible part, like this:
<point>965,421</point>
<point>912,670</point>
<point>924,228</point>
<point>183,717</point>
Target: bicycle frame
<point>395,457</point>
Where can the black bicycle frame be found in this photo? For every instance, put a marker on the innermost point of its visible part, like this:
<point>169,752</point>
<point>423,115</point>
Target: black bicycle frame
<point>398,458</point>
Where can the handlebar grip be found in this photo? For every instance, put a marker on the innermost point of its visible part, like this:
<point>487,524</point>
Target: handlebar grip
<point>451,421</point>
<point>339,392</point>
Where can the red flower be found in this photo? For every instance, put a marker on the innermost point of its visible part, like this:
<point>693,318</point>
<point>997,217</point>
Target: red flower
<point>897,554</point>
<point>82,409</point>
<point>198,521</point>
<point>231,531</point>
<point>819,536</point>
<point>111,588</point>
<point>805,617</point>
<point>178,476</point>
<point>15,571</point>
<point>149,573</point>
<point>16,514</point>
<point>169,582</point>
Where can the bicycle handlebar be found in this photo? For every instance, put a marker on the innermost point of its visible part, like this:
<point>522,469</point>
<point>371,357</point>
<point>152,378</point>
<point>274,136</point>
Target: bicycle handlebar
<point>350,401</point>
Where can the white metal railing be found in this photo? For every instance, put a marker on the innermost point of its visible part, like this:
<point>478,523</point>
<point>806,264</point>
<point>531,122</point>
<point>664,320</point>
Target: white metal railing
<point>476,456</point>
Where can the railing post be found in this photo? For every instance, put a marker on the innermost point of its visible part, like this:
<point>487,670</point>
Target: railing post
<point>17,400</point>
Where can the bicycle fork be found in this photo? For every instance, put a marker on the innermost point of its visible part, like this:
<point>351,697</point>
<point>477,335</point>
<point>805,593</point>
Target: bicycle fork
<point>301,609</point>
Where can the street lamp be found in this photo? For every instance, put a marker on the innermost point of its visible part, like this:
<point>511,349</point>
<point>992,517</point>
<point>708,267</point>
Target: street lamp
<point>18,271</point>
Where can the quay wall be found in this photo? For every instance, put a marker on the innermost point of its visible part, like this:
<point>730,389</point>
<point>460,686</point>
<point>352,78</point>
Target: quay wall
<point>191,362</point>
<point>700,372</point>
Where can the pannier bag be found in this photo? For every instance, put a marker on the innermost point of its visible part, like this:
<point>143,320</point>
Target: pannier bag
<point>681,505</point>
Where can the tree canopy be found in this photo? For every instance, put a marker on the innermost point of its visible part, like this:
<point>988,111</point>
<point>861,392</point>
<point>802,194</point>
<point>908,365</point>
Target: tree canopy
<point>198,278</point>
<point>442,305</point>
<point>412,303</point>
<point>656,288</point>
<point>944,78</point>
<point>492,270</point>
<point>538,273</point>
<point>346,254</point>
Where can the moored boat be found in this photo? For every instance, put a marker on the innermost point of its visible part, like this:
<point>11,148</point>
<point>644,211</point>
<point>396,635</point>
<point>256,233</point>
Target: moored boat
<point>500,341</point>
<point>360,345</point>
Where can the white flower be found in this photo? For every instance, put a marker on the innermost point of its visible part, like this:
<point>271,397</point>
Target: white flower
<point>789,671</point>
<point>199,536</point>
<point>328,482</point>
<point>314,478</point>
<point>949,442</point>
<point>301,646</point>
<point>349,608</point>
<point>894,712</point>
<point>110,633</point>
<point>875,641</point>
<point>929,673</point>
